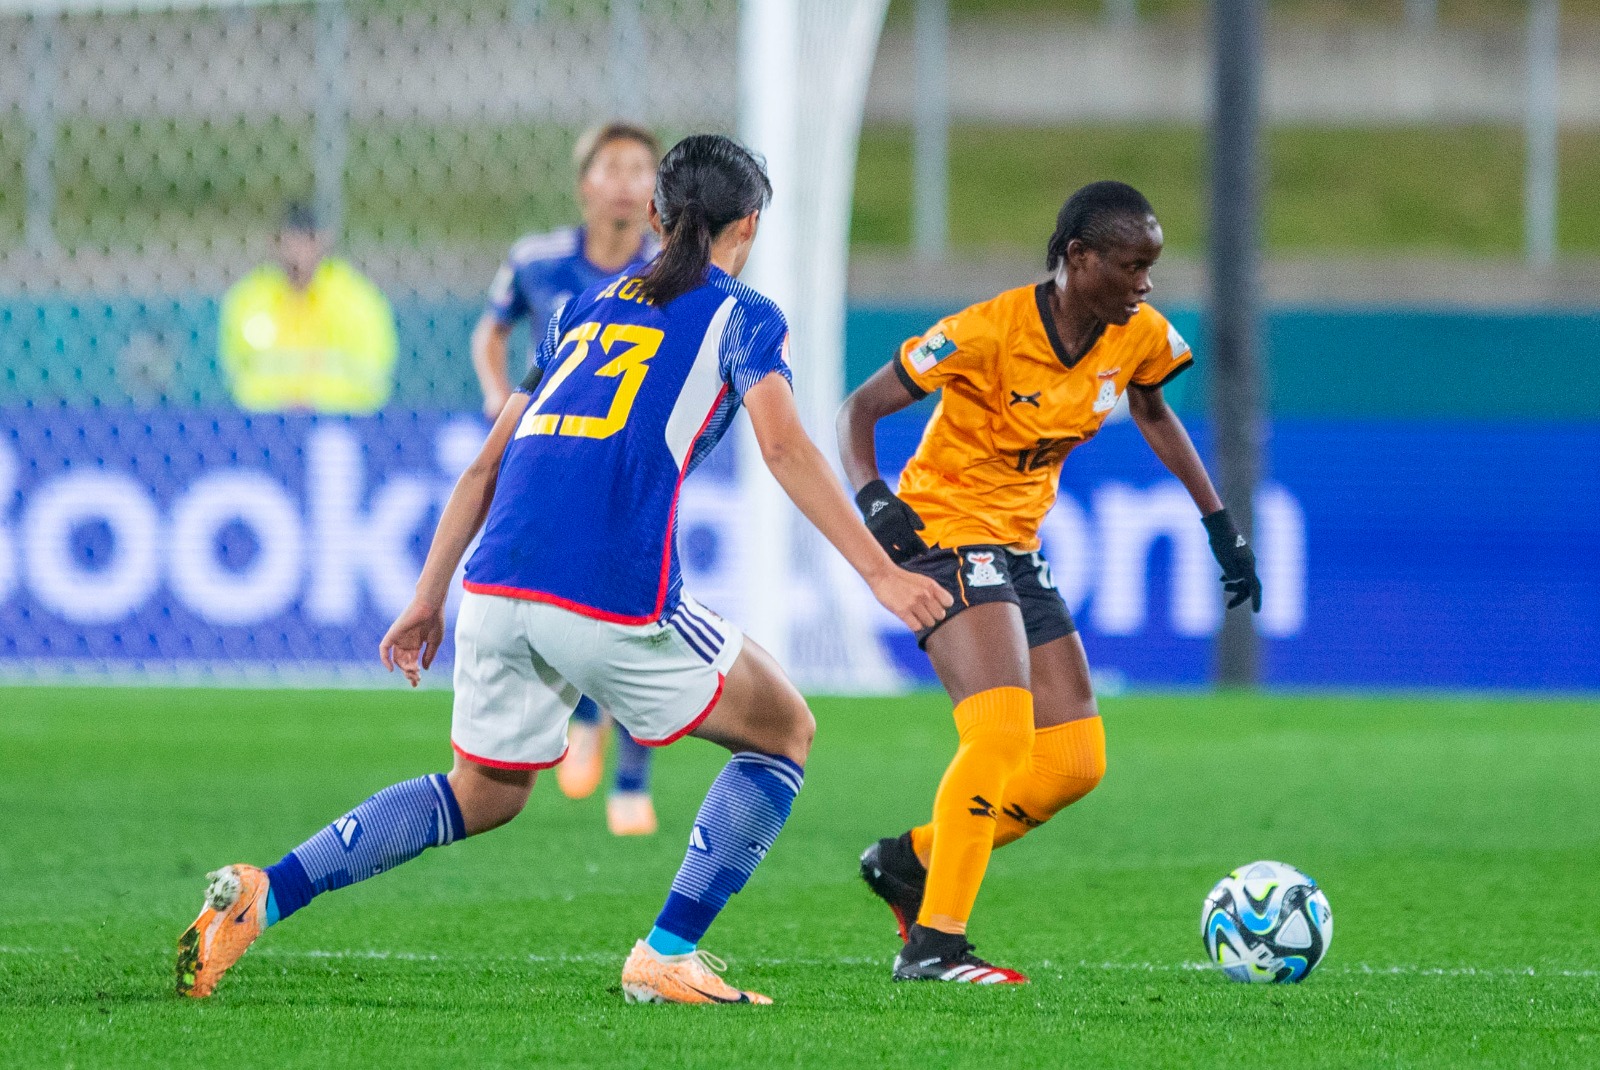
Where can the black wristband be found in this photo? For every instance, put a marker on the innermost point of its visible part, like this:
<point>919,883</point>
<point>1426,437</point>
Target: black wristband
<point>876,491</point>
<point>1220,528</point>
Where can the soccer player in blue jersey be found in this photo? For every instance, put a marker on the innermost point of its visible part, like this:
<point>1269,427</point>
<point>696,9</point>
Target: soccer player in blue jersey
<point>616,168</point>
<point>575,589</point>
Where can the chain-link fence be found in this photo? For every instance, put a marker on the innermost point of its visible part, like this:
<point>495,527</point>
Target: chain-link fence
<point>245,250</point>
<point>146,158</point>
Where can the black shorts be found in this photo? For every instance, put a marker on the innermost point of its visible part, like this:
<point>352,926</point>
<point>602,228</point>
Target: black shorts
<point>977,575</point>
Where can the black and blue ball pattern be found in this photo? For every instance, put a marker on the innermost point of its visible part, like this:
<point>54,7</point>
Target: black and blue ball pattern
<point>1266,923</point>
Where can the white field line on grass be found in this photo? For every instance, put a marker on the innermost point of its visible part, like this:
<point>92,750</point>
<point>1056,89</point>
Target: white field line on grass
<point>603,957</point>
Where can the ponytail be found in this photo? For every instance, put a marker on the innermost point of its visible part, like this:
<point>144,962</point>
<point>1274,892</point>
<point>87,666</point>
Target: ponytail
<point>706,182</point>
<point>684,260</point>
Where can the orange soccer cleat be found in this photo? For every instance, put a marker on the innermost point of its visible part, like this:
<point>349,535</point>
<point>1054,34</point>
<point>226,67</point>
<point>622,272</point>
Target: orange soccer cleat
<point>235,914</point>
<point>630,813</point>
<point>649,977</point>
<point>580,771</point>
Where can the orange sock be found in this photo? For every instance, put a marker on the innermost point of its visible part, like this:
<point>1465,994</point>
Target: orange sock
<point>996,730</point>
<point>1068,760</point>
<point>922,843</point>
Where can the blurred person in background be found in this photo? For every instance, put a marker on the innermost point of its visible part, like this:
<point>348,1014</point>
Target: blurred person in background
<point>308,333</point>
<point>616,170</point>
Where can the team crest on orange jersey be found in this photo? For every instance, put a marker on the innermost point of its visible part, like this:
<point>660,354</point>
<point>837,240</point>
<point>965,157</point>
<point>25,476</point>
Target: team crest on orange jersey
<point>1106,400</point>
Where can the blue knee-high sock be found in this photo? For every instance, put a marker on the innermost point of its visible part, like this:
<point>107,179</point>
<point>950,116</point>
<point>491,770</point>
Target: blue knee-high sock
<point>633,764</point>
<point>394,826</point>
<point>737,824</point>
<point>587,712</point>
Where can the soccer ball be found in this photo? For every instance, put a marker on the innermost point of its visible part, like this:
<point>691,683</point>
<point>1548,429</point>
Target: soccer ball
<point>1266,923</point>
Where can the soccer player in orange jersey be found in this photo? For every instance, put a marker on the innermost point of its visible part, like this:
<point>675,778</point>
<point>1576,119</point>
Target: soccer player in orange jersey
<point>1026,378</point>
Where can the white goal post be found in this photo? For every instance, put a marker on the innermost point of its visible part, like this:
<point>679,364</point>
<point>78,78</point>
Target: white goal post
<point>803,72</point>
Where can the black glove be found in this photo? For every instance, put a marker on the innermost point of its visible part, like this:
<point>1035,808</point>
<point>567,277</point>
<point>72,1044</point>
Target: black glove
<point>1238,561</point>
<point>892,522</point>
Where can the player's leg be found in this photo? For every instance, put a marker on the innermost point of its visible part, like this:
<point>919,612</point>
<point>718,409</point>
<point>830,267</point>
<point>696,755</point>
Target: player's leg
<point>1069,749</point>
<point>509,720</point>
<point>1069,743</point>
<point>581,770</point>
<point>693,673</point>
<point>387,830</point>
<point>981,658</point>
<point>762,719</point>
<point>980,652</point>
<point>759,710</point>
<point>1068,755</point>
<point>393,827</point>
<point>629,810</point>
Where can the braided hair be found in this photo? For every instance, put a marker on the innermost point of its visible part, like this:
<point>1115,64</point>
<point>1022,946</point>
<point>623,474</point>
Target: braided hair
<point>1096,216</point>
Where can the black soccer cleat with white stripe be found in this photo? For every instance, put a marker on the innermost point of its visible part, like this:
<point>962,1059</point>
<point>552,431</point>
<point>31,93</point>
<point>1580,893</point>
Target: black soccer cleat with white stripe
<point>931,955</point>
<point>891,869</point>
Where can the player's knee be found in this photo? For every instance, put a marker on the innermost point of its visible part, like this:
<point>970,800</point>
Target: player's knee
<point>791,727</point>
<point>1074,755</point>
<point>1012,749</point>
<point>796,730</point>
<point>1090,778</point>
<point>999,723</point>
<point>481,818</point>
<point>1091,764</point>
<point>488,798</point>
<point>806,730</point>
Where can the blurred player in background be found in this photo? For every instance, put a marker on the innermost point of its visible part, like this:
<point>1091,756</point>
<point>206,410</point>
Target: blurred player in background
<point>307,333</point>
<point>616,167</point>
<point>1026,378</point>
<point>575,589</point>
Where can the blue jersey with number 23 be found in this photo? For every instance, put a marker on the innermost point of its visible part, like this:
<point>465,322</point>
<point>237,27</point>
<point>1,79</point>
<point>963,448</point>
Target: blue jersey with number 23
<point>631,398</point>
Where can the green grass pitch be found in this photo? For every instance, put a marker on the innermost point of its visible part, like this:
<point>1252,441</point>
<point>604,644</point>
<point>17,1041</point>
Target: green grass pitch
<point>1458,840</point>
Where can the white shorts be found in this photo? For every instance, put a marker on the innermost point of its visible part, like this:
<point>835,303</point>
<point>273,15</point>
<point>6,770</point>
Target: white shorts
<point>521,667</point>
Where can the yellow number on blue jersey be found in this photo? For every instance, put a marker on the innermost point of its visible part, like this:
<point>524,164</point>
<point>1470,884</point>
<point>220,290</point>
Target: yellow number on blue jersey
<point>631,365</point>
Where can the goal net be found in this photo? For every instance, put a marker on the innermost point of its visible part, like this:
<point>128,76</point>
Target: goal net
<point>152,527</point>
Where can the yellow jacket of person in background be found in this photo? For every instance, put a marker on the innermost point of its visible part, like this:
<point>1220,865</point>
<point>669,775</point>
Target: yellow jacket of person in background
<point>327,348</point>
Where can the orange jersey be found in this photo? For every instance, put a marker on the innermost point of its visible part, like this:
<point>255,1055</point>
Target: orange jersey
<point>1014,405</point>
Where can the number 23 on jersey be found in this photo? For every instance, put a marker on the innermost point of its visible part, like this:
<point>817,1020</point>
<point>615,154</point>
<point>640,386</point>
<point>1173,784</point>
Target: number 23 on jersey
<point>630,366</point>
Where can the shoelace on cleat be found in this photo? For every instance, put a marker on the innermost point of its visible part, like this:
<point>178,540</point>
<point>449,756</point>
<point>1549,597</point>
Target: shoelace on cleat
<point>713,967</point>
<point>709,962</point>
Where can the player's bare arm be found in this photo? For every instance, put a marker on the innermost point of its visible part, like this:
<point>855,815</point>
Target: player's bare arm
<point>412,641</point>
<point>883,394</point>
<point>489,345</point>
<point>802,471</point>
<point>892,522</point>
<point>1170,442</point>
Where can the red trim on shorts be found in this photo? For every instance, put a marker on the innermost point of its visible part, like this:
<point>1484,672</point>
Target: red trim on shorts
<point>560,603</point>
<point>672,516</point>
<point>494,763</point>
<point>692,725</point>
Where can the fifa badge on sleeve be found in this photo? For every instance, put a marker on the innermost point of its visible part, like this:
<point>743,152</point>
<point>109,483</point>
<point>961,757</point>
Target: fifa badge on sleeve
<point>933,349</point>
